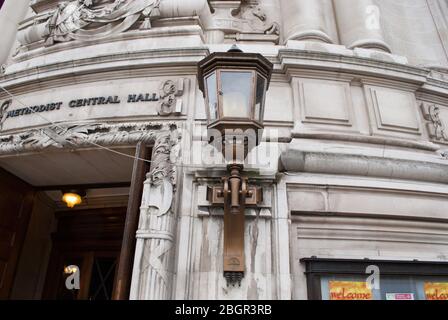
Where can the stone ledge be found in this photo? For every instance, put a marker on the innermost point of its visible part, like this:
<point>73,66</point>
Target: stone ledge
<point>294,160</point>
<point>395,142</point>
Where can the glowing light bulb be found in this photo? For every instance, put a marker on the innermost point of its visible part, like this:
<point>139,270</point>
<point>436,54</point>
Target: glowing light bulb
<point>70,269</point>
<point>71,199</point>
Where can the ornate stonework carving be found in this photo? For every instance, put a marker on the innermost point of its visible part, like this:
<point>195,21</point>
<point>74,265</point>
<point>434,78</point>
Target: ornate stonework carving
<point>437,128</point>
<point>169,92</point>
<point>164,154</point>
<point>257,19</point>
<point>3,112</point>
<point>74,20</point>
<point>244,20</point>
<point>91,20</point>
<point>85,135</point>
<point>152,274</point>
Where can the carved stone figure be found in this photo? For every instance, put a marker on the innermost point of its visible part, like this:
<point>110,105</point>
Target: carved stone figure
<point>80,20</point>
<point>242,20</point>
<point>257,19</point>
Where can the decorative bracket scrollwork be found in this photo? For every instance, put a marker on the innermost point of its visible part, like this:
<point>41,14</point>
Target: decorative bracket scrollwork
<point>437,127</point>
<point>169,92</point>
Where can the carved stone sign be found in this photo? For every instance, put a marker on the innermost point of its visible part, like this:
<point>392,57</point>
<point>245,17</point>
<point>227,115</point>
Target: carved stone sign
<point>165,98</point>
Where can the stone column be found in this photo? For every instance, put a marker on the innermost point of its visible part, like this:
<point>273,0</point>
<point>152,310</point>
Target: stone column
<point>359,24</point>
<point>152,275</point>
<point>11,14</point>
<point>304,20</point>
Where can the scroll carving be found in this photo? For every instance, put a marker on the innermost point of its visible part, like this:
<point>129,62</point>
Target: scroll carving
<point>436,125</point>
<point>169,92</point>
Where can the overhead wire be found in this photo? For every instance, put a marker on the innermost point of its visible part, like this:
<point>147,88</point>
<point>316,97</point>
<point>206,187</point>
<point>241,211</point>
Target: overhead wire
<point>12,96</point>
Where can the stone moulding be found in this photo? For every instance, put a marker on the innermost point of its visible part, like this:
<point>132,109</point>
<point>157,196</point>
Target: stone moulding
<point>106,67</point>
<point>74,136</point>
<point>295,160</point>
<point>422,145</point>
<point>290,58</point>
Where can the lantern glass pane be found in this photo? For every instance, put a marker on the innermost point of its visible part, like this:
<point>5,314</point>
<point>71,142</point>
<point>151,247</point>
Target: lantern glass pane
<point>212,96</point>
<point>236,90</point>
<point>259,98</point>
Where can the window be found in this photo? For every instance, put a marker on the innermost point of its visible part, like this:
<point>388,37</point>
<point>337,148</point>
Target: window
<point>236,88</point>
<point>330,279</point>
<point>212,97</point>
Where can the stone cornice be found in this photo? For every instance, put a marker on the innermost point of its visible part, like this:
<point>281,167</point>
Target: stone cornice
<point>106,67</point>
<point>292,60</point>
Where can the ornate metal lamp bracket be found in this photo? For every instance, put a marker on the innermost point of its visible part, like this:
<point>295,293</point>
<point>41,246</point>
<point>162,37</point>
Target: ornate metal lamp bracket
<point>235,194</point>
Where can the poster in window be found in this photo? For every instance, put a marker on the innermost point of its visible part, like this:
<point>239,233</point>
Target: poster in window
<point>436,291</point>
<point>400,296</point>
<point>349,290</point>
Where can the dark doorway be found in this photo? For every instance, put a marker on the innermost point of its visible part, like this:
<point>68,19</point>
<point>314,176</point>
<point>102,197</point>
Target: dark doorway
<point>16,203</point>
<point>90,240</point>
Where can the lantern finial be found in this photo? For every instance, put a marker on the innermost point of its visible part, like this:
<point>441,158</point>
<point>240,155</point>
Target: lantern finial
<point>235,48</point>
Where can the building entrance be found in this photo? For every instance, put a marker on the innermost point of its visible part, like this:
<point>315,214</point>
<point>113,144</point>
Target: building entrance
<point>87,243</point>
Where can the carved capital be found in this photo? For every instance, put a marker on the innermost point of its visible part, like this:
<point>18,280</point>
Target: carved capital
<point>164,155</point>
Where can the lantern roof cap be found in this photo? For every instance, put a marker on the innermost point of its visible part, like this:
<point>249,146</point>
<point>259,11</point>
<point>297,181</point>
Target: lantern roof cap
<point>234,48</point>
<point>234,59</point>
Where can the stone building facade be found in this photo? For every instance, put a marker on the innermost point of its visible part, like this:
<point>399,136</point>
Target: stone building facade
<point>353,162</point>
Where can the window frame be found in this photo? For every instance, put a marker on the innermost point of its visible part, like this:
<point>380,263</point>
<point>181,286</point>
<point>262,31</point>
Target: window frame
<point>315,268</point>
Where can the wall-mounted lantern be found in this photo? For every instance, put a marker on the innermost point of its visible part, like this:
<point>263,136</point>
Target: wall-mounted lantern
<point>234,85</point>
